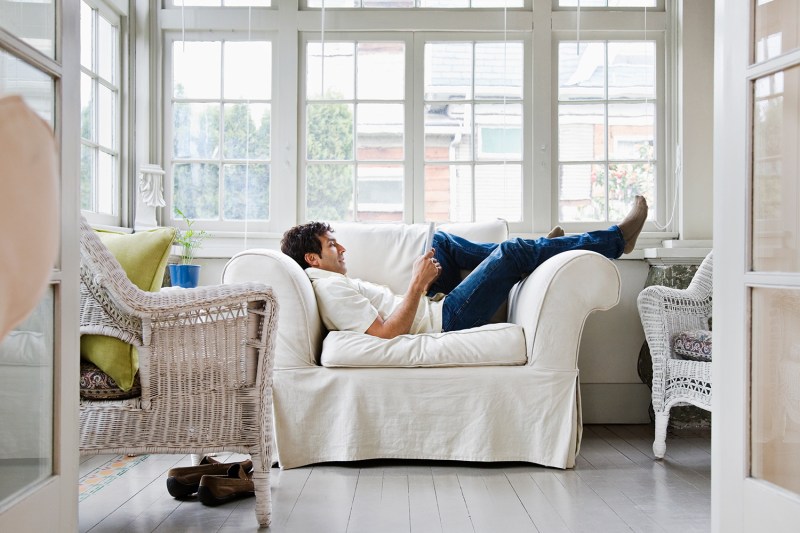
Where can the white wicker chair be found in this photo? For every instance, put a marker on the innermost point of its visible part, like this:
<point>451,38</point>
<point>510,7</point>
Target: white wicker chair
<point>665,312</point>
<point>205,364</point>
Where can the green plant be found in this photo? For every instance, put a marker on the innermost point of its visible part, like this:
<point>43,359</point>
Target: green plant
<point>189,239</point>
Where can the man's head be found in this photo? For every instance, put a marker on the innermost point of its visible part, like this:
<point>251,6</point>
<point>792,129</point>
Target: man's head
<point>313,245</point>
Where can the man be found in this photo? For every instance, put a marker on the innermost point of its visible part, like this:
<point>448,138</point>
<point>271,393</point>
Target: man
<point>437,299</point>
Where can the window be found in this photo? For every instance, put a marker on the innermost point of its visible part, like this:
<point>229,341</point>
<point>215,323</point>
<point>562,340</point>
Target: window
<point>101,169</point>
<point>606,128</point>
<point>355,130</point>
<point>448,110</point>
<point>220,130</point>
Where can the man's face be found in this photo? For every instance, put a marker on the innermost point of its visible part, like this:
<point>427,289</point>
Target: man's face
<point>332,256</point>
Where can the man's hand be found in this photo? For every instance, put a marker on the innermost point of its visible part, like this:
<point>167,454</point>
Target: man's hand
<point>425,271</point>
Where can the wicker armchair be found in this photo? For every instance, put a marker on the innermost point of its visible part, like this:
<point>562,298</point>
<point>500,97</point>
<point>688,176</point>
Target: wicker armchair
<point>666,313</point>
<point>205,364</point>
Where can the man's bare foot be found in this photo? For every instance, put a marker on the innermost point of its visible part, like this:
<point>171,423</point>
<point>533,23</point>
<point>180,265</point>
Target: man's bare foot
<point>557,231</point>
<point>633,223</point>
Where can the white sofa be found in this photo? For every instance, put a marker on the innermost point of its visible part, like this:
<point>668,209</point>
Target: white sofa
<point>530,412</point>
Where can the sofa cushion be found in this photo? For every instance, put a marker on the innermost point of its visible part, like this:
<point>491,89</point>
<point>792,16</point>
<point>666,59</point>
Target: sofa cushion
<point>143,256</point>
<point>694,345</point>
<point>385,253</point>
<point>97,385</point>
<point>489,345</point>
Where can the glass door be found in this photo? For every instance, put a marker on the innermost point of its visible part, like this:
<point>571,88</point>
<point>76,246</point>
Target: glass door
<point>38,359</point>
<point>756,448</point>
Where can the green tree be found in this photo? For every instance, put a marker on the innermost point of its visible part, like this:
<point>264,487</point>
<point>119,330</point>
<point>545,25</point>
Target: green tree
<point>329,187</point>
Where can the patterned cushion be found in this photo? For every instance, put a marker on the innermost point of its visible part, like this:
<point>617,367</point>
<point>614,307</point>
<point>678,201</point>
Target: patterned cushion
<point>694,345</point>
<point>97,385</point>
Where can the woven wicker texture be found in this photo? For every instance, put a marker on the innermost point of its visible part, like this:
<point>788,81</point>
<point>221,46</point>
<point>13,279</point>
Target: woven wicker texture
<point>665,313</point>
<point>205,365</point>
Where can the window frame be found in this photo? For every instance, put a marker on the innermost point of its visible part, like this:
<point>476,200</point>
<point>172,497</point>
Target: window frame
<point>221,226</point>
<point>661,132</point>
<point>116,14</point>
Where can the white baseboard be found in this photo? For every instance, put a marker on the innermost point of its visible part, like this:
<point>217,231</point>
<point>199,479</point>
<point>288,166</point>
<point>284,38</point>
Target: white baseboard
<point>615,403</point>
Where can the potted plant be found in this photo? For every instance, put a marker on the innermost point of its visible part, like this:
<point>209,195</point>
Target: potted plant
<point>186,274</point>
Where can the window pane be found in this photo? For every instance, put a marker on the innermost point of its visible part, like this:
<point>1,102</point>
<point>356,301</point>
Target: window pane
<point>31,21</point>
<point>381,71</point>
<point>581,132</point>
<point>329,192</point>
<point>581,193</point>
<point>247,131</point>
<point>625,181</point>
<point>245,3</point>
<point>247,192</point>
<point>248,70</point>
<point>339,71</point>
<point>498,70</point>
<point>88,174</point>
<point>387,3</point>
<point>498,192</point>
<point>107,50</point>
<point>195,130</point>
<point>380,193</point>
<point>196,69</point>
<point>448,71</point>
<point>448,193</point>
<point>608,3</point>
<point>196,189</point>
<point>499,131</point>
<point>36,87</point>
<point>87,50</point>
<point>581,71</point>
<point>334,3</point>
<point>776,28</point>
<point>329,130</point>
<point>27,402</point>
<point>380,132</point>
<point>631,131</point>
<point>87,108</point>
<point>106,117</point>
<point>448,132</point>
<point>106,178</point>
<point>776,143</point>
<point>631,70</point>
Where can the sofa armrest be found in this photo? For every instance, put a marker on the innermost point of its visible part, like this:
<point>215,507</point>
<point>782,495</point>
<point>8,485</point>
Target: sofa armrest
<point>299,337</point>
<point>552,305</point>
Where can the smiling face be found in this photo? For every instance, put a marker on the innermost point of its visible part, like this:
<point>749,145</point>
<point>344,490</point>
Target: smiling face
<point>331,258</point>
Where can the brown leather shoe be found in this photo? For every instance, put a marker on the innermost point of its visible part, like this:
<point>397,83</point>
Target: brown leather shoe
<point>235,484</point>
<point>185,480</point>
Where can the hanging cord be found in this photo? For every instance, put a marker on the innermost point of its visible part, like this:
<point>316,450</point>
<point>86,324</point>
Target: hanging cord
<point>505,112</point>
<point>247,145</point>
<point>183,27</point>
<point>322,49</point>
<point>578,31</point>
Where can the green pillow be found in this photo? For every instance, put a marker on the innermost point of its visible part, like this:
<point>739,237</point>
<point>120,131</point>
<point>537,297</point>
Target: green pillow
<point>143,256</point>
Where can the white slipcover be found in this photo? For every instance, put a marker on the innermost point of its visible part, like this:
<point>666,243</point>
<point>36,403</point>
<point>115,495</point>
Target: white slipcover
<point>490,413</point>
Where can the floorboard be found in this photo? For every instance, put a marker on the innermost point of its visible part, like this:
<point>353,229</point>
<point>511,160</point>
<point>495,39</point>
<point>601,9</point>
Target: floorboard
<point>616,486</point>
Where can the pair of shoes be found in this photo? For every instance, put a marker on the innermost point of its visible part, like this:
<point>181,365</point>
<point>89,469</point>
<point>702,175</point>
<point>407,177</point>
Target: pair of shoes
<point>185,480</point>
<point>235,484</point>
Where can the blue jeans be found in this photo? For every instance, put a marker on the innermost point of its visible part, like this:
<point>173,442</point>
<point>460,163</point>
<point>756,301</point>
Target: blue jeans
<point>497,267</point>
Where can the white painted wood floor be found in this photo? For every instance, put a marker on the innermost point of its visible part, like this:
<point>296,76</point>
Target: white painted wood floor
<point>616,486</point>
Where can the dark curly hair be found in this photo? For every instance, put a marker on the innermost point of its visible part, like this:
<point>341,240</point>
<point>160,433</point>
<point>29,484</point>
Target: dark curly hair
<point>304,239</point>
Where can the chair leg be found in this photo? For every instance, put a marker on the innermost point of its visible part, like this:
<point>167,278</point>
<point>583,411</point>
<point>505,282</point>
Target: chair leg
<point>261,475</point>
<point>660,441</point>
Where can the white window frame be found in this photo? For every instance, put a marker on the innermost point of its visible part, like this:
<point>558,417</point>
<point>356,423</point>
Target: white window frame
<point>541,22</point>
<point>660,127</point>
<point>235,227</point>
<point>115,12</point>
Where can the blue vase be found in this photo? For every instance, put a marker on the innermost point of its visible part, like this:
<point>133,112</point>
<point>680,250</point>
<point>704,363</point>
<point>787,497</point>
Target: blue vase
<point>185,276</point>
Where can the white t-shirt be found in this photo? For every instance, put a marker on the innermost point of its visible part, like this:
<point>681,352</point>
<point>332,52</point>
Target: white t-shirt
<point>347,304</point>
